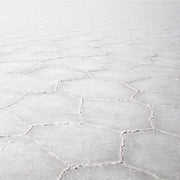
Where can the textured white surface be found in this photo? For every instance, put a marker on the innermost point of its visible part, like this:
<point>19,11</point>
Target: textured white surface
<point>89,90</point>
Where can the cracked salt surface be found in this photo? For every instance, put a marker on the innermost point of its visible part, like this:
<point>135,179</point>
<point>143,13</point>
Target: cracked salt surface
<point>46,108</point>
<point>87,94</point>
<point>118,115</point>
<point>79,143</point>
<point>96,89</point>
<point>149,151</point>
<point>25,159</point>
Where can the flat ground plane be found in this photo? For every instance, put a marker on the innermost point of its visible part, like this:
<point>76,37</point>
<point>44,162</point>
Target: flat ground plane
<point>89,91</point>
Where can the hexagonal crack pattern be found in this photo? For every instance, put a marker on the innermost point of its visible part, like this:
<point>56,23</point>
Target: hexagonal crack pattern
<point>89,91</point>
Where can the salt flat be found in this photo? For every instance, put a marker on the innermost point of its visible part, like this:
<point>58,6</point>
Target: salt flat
<point>89,90</point>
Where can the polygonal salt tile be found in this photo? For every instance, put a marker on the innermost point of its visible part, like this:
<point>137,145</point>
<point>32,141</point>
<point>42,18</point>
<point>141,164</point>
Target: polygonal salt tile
<point>57,73</point>
<point>155,152</point>
<point>9,98</point>
<point>167,118</point>
<point>158,98</point>
<point>88,64</point>
<point>24,83</point>
<point>81,64</point>
<point>156,71</point>
<point>167,62</point>
<point>22,56</point>
<point>122,75</point>
<point>158,85</point>
<point>127,61</point>
<point>11,125</point>
<point>79,143</point>
<point>115,172</point>
<point>47,108</point>
<point>22,158</point>
<point>118,115</point>
<point>55,46</point>
<point>92,88</point>
<point>18,67</point>
<point>45,54</point>
<point>82,52</point>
